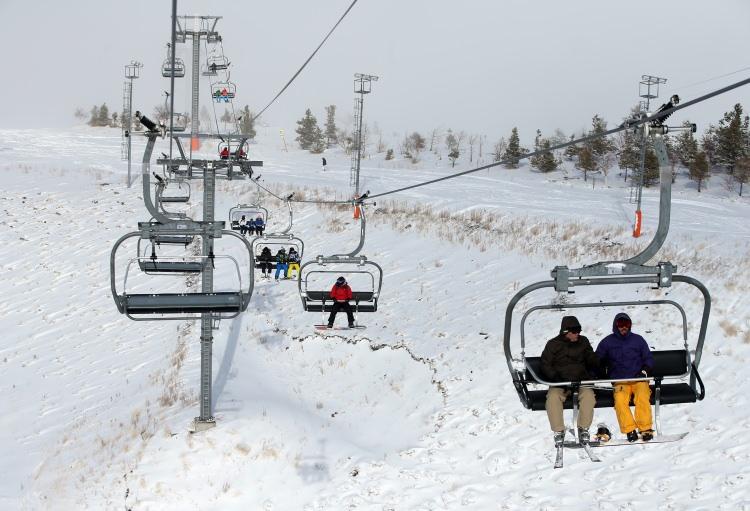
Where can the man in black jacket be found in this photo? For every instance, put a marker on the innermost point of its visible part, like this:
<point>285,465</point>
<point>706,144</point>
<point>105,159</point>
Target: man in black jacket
<point>569,357</point>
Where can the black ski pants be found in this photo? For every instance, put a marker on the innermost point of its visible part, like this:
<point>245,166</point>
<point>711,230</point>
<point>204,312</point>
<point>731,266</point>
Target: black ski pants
<point>338,306</point>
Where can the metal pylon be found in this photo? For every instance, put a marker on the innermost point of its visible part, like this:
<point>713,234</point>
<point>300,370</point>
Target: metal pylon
<point>358,103</point>
<point>127,94</point>
<point>206,420</point>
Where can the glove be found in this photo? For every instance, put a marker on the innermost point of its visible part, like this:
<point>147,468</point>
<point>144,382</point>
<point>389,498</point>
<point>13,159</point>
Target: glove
<point>646,371</point>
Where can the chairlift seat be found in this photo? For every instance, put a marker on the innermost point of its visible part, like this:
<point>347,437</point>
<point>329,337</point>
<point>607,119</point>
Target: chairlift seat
<point>171,266</point>
<point>176,303</point>
<point>666,363</point>
<point>174,199</point>
<point>172,240</point>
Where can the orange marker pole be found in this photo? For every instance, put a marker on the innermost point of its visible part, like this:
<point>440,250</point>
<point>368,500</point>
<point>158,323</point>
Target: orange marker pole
<point>637,227</point>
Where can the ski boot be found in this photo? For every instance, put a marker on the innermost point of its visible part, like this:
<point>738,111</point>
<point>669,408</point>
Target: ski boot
<point>559,438</point>
<point>583,436</point>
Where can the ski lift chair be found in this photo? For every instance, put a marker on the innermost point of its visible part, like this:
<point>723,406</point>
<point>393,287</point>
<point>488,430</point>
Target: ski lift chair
<point>249,211</point>
<point>669,364</point>
<point>310,281</point>
<point>275,242</point>
<point>217,63</point>
<point>182,305</point>
<point>223,91</point>
<point>179,122</point>
<point>316,276</point>
<point>168,71</point>
<point>174,197</point>
<point>233,151</point>
<point>674,380</point>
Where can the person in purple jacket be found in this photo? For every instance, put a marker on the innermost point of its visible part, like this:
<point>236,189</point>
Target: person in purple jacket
<point>624,354</point>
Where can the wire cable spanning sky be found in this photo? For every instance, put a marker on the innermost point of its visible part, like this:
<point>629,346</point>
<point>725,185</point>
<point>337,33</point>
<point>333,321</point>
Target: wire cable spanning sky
<point>482,67</point>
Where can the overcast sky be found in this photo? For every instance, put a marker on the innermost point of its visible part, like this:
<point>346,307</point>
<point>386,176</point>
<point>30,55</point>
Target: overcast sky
<point>481,66</point>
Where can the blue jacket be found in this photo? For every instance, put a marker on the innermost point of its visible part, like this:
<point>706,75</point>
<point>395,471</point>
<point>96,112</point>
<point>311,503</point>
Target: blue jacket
<point>624,356</point>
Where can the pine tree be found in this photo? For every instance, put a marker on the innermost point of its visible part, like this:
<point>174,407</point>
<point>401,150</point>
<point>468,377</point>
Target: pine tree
<point>571,151</point>
<point>318,141</point>
<point>732,134</point>
<point>330,125</point>
<point>586,161</point>
<point>94,119</point>
<point>629,154</point>
<point>601,145</point>
<point>546,162</point>
<point>650,168</point>
<point>534,160</point>
<point>698,168</point>
<point>742,171</point>
<point>247,123</point>
<point>709,145</point>
<point>103,119</point>
<point>306,134</point>
<point>686,147</point>
<point>512,154</point>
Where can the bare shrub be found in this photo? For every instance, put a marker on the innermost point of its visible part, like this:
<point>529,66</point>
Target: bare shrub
<point>730,330</point>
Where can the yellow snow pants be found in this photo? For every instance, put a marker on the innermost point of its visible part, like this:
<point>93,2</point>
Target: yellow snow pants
<point>292,266</point>
<point>642,395</point>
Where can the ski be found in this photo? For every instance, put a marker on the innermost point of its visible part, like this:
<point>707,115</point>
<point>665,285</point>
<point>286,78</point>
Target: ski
<point>559,456</point>
<point>593,457</point>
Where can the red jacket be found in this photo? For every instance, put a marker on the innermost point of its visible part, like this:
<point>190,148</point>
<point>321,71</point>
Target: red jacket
<point>341,293</point>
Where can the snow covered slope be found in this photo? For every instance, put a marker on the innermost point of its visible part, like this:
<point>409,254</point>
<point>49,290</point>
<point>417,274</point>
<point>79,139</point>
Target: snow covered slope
<point>414,413</point>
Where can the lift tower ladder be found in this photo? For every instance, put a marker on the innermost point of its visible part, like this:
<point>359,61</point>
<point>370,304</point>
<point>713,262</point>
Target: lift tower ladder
<point>362,84</point>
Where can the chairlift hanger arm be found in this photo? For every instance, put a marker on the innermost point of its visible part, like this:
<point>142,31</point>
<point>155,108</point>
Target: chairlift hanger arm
<point>362,226</point>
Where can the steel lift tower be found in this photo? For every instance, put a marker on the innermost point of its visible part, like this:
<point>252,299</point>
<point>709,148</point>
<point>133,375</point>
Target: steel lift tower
<point>362,85</point>
<point>648,90</point>
<point>132,72</point>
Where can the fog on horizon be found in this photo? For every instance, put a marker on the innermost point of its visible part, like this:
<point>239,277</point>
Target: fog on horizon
<point>481,68</point>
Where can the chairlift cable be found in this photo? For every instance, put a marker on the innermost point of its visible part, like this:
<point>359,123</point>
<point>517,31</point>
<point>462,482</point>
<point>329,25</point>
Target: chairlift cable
<point>701,82</point>
<point>307,61</point>
<point>622,127</point>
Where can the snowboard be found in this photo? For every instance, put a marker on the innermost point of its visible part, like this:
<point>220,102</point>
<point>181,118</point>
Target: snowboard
<point>624,441</point>
<point>323,328</point>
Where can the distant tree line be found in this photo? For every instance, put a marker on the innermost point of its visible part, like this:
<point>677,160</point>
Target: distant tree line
<point>722,148</point>
<point>98,116</point>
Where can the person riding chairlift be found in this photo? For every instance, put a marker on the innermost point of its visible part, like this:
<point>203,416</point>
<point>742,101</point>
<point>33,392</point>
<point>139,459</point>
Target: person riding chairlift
<point>341,293</point>
<point>224,154</point>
